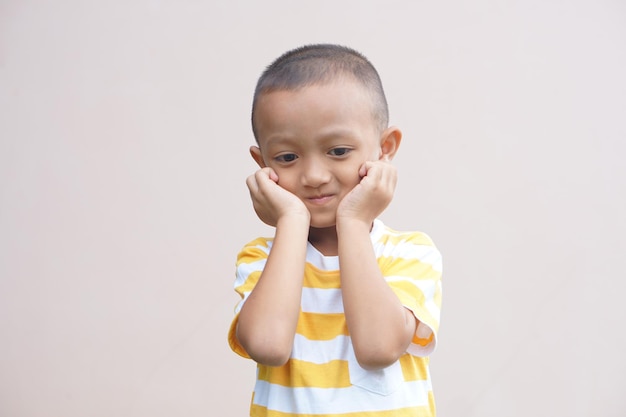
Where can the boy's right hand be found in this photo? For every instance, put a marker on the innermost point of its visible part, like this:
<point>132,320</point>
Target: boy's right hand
<point>271,202</point>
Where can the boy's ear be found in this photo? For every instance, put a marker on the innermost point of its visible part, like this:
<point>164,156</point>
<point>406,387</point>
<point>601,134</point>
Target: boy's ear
<point>390,142</point>
<point>255,152</point>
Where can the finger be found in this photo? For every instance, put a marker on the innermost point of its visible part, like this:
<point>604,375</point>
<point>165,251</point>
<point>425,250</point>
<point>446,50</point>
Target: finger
<point>252,183</point>
<point>364,168</point>
<point>375,170</point>
<point>263,182</point>
<point>381,176</point>
<point>267,173</point>
<point>389,175</point>
<point>273,175</point>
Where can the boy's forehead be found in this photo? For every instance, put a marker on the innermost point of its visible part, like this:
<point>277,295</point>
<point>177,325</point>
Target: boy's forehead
<point>339,102</point>
<point>319,113</point>
<point>338,97</point>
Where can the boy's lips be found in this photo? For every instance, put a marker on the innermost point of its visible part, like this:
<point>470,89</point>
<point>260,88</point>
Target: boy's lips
<point>319,199</point>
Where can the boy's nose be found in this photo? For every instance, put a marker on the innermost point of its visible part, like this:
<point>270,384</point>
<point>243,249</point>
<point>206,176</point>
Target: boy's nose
<point>315,174</point>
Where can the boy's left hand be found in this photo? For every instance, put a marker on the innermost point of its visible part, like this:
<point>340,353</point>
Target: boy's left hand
<point>372,195</point>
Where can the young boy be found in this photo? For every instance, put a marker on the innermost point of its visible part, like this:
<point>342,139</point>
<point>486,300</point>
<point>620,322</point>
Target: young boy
<point>339,311</point>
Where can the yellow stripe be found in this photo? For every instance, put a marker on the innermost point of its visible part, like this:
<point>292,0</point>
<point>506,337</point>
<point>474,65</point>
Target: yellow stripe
<point>260,241</point>
<point>233,341</point>
<point>431,403</point>
<point>317,278</point>
<point>407,267</point>
<point>408,292</point>
<point>414,368</point>
<point>251,253</point>
<point>425,411</point>
<point>296,374</point>
<point>316,326</point>
<point>423,342</point>
<point>437,295</point>
<point>249,283</point>
<point>421,312</point>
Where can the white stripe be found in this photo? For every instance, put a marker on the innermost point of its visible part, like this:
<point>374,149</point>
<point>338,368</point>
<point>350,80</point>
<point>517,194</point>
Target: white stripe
<point>339,400</point>
<point>406,250</point>
<point>239,305</point>
<point>427,287</point>
<point>261,247</point>
<point>319,300</point>
<point>321,351</point>
<point>317,259</point>
<point>244,270</point>
<point>433,309</point>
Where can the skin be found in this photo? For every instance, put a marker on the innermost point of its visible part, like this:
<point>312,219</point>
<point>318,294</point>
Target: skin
<point>325,175</point>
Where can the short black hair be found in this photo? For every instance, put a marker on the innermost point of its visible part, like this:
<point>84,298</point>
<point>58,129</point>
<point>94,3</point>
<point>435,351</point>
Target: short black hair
<point>318,64</point>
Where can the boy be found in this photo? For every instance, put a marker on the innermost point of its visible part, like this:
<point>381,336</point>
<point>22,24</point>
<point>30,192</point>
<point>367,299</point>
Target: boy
<point>339,312</point>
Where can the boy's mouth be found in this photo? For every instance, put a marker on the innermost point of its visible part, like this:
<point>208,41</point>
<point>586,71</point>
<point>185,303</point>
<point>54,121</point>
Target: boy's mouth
<point>319,199</point>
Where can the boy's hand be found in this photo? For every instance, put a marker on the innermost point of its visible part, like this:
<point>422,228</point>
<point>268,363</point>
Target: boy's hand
<point>372,195</point>
<point>271,202</point>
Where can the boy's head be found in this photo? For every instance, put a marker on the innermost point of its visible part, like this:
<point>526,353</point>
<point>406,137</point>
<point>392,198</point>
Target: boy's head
<point>322,64</point>
<point>319,115</point>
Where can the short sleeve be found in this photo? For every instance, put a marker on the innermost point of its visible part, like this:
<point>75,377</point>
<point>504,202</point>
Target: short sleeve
<point>412,266</point>
<point>250,263</point>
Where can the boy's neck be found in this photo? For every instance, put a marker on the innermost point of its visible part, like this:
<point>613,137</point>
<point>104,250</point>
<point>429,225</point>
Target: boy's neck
<point>324,240</point>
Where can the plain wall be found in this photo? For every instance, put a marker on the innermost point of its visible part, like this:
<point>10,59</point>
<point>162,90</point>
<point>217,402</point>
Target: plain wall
<point>124,135</point>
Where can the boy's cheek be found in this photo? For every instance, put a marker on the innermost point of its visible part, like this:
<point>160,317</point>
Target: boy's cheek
<point>285,185</point>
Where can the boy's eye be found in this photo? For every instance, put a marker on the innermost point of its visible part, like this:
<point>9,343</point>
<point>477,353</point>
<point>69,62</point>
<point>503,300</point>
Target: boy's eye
<point>339,151</point>
<point>288,157</point>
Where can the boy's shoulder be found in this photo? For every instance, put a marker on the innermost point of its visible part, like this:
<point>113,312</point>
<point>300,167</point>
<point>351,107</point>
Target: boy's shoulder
<point>262,242</point>
<point>408,245</point>
<point>386,235</point>
<point>255,249</point>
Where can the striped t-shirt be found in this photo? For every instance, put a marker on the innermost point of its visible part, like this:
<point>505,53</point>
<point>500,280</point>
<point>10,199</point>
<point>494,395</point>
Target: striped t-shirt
<point>322,376</point>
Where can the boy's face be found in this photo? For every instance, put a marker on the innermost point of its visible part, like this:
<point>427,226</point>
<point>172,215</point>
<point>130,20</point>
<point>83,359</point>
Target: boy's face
<point>316,139</point>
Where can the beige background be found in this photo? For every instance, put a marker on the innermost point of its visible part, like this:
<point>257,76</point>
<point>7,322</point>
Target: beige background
<point>123,152</point>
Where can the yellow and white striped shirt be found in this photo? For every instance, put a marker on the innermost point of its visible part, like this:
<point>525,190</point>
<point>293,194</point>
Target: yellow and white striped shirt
<point>322,377</point>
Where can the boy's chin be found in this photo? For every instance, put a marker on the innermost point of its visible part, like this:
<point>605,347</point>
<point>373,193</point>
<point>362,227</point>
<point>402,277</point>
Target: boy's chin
<point>323,223</point>
<point>322,227</point>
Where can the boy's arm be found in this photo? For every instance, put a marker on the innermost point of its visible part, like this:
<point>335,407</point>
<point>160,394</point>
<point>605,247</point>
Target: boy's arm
<point>268,319</point>
<point>381,328</point>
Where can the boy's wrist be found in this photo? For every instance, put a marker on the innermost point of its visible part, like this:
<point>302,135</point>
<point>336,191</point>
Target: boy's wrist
<point>293,219</point>
<point>350,225</point>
